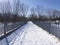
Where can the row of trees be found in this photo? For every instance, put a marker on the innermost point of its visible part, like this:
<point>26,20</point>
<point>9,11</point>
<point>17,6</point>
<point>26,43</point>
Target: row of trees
<point>41,14</point>
<point>12,11</point>
<point>17,11</point>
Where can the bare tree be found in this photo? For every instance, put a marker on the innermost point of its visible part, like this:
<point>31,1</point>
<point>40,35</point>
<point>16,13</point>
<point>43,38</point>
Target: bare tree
<point>53,14</point>
<point>6,10</point>
<point>33,15</point>
<point>49,13</point>
<point>20,9</point>
<point>16,6</point>
<point>39,10</point>
<point>23,9</point>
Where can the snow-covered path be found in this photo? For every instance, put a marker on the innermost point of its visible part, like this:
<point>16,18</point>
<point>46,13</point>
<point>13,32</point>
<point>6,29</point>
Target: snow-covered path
<point>31,34</point>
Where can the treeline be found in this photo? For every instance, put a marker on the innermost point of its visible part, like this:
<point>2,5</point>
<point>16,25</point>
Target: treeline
<point>11,18</point>
<point>12,12</point>
<point>17,11</point>
<point>41,14</point>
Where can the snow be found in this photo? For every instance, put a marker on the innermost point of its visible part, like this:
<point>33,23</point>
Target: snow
<point>1,29</point>
<point>31,34</point>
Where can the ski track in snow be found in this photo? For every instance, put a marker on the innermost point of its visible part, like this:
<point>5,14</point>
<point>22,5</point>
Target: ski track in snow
<point>31,34</point>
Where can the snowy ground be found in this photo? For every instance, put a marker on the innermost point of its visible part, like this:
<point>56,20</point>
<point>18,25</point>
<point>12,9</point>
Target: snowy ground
<point>9,27</point>
<point>51,27</point>
<point>30,34</point>
<point>1,28</point>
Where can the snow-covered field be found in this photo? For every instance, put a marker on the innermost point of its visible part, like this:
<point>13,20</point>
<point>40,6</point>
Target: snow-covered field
<point>1,28</point>
<point>9,27</point>
<point>30,34</point>
<point>50,27</point>
<point>55,29</point>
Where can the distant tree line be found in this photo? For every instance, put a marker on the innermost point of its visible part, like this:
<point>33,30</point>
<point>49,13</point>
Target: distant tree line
<point>18,11</point>
<point>13,12</point>
<point>37,14</point>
